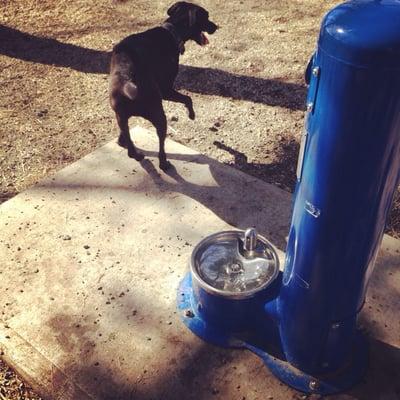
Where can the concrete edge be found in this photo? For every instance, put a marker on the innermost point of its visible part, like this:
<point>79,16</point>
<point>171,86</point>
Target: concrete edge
<point>33,367</point>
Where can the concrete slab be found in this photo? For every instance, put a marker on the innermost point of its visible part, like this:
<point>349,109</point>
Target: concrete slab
<point>90,262</point>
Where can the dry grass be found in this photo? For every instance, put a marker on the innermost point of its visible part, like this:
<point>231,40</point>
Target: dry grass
<point>54,107</point>
<point>12,387</point>
<point>249,99</point>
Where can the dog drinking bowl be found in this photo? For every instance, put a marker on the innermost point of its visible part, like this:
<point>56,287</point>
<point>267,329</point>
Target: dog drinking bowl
<point>230,273</point>
<point>234,264</point>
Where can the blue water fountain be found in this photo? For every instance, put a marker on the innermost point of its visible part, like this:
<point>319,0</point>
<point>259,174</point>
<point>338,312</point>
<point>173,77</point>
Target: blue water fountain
<point>303,322</point>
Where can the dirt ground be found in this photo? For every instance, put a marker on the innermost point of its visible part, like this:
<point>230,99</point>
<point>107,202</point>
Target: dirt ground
<point>247,85</point>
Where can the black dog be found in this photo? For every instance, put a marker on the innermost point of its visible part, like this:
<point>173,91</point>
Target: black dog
<point>144,67</point>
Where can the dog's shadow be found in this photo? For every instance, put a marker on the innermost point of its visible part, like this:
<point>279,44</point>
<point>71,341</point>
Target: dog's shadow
<point>235,198</point>
<point>216,82</point>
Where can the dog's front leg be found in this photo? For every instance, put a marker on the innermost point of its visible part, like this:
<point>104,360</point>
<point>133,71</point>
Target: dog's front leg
<point>173,95</point>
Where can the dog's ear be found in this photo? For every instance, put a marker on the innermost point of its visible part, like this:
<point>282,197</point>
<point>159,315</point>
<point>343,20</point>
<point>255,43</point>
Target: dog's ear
<point>176,7</point>
<point>192,16</point>
<point>180,8</point>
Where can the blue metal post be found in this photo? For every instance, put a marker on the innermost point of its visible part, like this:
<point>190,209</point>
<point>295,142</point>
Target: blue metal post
<point>346,182</point>
<point>304,324</point>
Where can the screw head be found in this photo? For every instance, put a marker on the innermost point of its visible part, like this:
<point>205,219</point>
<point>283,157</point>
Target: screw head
<point>315,71</point>
<point>189,314</point>
<point>314,385</point>
<point>310,107</point>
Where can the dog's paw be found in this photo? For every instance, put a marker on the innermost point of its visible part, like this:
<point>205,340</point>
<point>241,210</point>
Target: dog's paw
<point>136,155</point>
<point>139,157</point>
<point>122,143</point>
<point>165,165</point>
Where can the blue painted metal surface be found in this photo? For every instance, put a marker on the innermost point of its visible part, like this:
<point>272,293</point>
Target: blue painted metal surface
<point>189,312</point>
<point>363,33</point>
<point>346,182</point>
<point>261,336</point>
<point>304,328</point>
<point>318,383</point>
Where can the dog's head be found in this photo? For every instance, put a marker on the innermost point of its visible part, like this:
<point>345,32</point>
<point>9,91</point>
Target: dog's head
<point>193,19</point>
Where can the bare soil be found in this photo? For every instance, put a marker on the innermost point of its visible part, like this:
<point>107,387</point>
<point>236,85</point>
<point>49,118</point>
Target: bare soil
<point>247,86</point>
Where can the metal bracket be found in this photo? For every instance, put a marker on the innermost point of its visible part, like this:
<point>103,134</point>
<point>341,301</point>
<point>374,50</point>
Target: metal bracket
<point>312,91</point>
<point>311,99</point>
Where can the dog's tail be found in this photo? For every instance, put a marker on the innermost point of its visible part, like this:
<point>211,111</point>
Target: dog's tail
<point>130,90</point>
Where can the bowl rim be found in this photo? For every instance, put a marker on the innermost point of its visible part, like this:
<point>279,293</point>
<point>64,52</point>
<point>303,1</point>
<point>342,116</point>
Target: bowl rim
<point>220,236</point>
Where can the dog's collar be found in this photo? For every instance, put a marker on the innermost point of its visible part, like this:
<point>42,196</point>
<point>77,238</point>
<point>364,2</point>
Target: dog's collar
<point>172,30</point>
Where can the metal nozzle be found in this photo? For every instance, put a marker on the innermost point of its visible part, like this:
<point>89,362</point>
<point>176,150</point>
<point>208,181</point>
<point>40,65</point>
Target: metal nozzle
<point>250,240</point>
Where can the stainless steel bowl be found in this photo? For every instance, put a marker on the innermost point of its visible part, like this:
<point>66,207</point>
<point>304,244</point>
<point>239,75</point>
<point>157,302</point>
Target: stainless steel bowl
<point>234,264</point>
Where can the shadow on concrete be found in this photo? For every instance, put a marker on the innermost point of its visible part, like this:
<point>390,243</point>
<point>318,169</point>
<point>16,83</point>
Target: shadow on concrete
<point>237,206</point>
<point>25,46</point>
<point>193,377</point>
<point>198,371</point>
<point>382,380</point>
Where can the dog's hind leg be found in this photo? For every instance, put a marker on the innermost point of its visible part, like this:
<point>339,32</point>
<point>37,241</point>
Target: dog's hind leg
<point>159,120</point>
<point>124,139</point>
<point>123,131</point>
